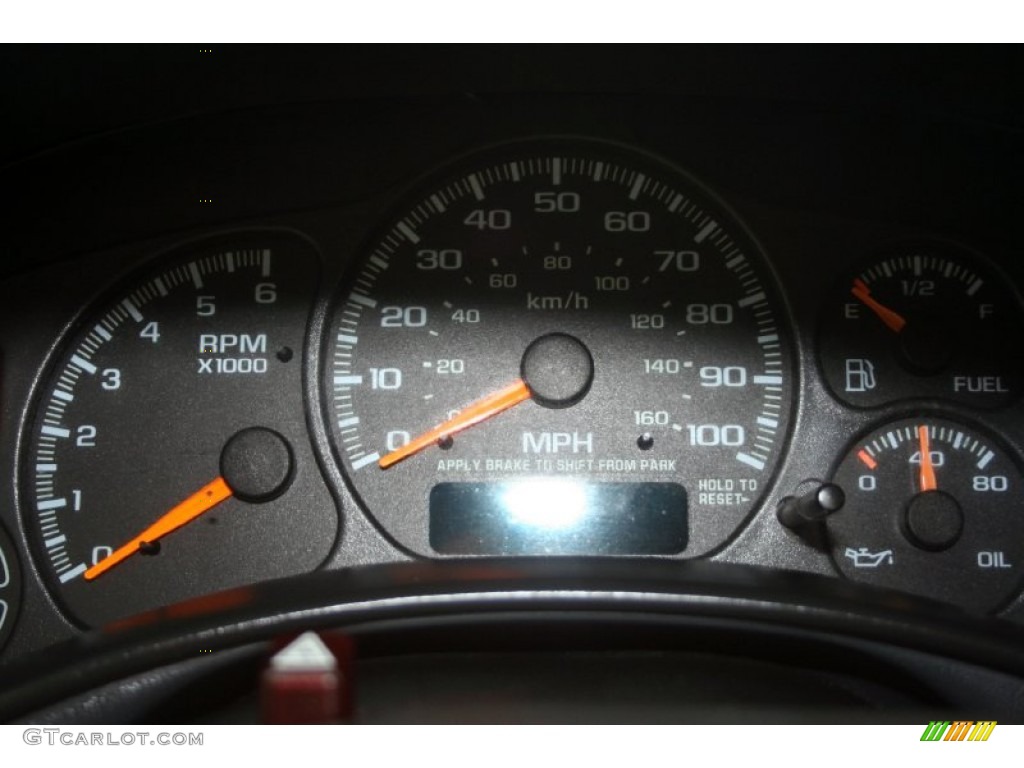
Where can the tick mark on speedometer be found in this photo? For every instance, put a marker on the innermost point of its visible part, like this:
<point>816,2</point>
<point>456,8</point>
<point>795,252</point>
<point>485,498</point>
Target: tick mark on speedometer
<point>406,230</point>
<point>706,230</point>
<point>591,413</point>
<point>749,460</point>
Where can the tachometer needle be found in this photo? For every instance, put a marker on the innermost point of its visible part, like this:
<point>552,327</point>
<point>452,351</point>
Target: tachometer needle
<point>927,472</point>
<point>886,315</point>
<point>201,501</point>
<point>484,408</point>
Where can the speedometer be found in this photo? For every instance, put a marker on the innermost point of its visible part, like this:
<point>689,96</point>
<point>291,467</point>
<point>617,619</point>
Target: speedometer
<point>561,347</point>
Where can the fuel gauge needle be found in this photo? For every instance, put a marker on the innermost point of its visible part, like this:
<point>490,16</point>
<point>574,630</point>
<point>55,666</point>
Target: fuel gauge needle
<point>484,408</point>
<point>892,319</point>
<point>207,497</point>
<point>927,472</point>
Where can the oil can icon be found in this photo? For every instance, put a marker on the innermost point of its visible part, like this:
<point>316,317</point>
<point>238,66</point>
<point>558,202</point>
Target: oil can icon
<point>864,558</point>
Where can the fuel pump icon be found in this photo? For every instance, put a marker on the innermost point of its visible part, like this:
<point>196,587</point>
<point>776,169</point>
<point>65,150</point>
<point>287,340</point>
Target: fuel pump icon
<point>860,375</point>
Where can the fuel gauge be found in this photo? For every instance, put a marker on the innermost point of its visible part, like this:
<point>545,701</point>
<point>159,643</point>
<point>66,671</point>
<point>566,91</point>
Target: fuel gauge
<point>922,322</point>
<point>932,507</point>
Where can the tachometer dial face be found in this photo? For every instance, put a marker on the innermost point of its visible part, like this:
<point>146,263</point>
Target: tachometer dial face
<point>10,586</point>
<point>923,321</point>
<point>932,507</point>
<point>560,347</point>
<point>168,444</point>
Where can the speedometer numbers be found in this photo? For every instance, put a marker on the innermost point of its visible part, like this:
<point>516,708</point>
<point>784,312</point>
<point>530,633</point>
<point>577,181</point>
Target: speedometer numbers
<point>932,507</point>
<point>623,320</point>
<point>169,441</point>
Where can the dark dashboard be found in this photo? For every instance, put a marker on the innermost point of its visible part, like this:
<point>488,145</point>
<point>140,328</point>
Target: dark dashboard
<point>487,342</point>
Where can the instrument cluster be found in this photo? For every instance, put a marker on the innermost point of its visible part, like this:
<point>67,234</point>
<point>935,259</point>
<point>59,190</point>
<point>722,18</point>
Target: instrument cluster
<point>549,342</point>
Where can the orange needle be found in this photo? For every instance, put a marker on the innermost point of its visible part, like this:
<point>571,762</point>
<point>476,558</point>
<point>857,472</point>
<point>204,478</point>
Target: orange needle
<point>205,498</point>
<point>927,474</point>
<point>886,315</point>
<point>484,408</point>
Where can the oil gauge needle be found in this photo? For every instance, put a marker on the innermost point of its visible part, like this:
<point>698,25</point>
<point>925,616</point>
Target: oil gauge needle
<point>482,409</point>
<point>201,501</point>
<point>927,472</point>
<point>886,315</point>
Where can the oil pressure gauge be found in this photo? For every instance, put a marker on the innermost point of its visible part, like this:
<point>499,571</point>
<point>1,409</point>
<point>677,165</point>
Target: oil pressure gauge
<point>922,321</point>
<point>932,507</point>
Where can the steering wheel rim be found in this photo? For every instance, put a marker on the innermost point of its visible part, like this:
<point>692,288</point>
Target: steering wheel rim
<point>710,602</point>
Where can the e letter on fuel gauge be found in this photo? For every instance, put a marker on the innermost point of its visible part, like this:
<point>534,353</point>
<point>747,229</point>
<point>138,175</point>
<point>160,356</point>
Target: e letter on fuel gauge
<point>922,322</point>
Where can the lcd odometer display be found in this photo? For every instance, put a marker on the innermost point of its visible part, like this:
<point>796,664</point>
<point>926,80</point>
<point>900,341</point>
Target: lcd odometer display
<point>565,310</point>
<point>556,516</point>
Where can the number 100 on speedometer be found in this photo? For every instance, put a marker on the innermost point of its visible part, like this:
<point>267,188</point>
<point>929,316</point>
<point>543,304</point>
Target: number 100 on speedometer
<point>559,347</point>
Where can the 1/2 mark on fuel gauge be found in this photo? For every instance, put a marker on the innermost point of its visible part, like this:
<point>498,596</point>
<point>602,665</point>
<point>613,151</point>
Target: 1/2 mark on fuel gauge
<point>922,322</point>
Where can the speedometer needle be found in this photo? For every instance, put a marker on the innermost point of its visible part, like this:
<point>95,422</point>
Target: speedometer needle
<point>201,501</point>
<point>927,473</point>
<point>484,408</point>
<point>886,315</point>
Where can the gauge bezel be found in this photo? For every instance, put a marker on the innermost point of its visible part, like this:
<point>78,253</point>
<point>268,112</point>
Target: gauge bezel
<point>930,410</point>
<point>890,248</point>
<point>13,587</point>
<point>478,157</point>
<point>134,271</point>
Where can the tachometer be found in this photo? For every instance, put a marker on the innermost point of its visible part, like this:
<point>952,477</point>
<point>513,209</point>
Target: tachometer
<point>168,444</point>
<point>10,586</point>
<point>560,347</point>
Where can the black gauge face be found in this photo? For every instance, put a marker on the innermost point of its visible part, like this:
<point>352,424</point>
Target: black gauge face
<point>932,507</point>
<point>10,587</point>
<point>180,396</point>
<point>560,347</point>
<point>923,322</point>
